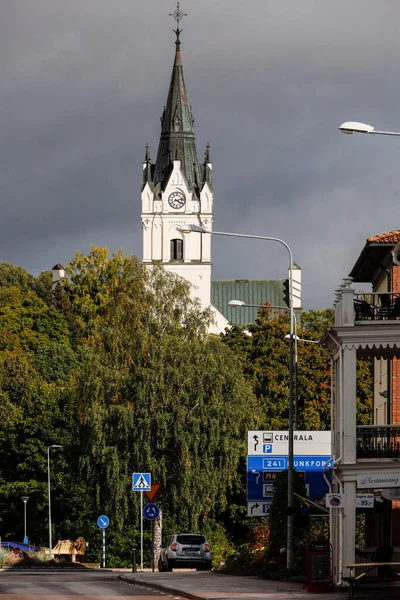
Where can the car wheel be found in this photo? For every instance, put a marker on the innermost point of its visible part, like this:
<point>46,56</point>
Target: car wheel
<point>161,566</point>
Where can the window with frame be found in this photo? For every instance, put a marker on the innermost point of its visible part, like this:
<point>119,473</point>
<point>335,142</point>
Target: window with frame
<point>176,250</point>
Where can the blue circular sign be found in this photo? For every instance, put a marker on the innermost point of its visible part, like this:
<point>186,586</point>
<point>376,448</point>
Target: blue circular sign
<point>103,522</point>
<point>151,511</point>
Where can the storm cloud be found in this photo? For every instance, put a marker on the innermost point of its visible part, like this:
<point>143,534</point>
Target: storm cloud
<point>83,85</point>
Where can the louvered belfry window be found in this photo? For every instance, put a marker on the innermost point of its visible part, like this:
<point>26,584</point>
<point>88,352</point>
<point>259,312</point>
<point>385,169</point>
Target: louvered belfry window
<point>176,250</point>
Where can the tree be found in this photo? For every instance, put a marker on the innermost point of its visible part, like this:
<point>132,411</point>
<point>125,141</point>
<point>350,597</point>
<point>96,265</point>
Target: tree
<point>277,519</point>
<point>154,392</point>
<point>36,360</point>
<point>266,363</point>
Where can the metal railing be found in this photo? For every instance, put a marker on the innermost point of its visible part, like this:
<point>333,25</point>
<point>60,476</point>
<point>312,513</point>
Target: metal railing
<point>377,306</point>
<point>378,441</point>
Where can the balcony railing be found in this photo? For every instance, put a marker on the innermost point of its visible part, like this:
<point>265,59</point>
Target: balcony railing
<point>377,307</point>
<point>378,441</point>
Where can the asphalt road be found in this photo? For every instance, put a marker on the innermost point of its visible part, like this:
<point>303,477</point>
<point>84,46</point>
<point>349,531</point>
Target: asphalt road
<point>72,586</point>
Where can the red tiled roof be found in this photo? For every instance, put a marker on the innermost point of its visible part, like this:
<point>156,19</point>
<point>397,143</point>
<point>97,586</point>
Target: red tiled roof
<point>389,238</point>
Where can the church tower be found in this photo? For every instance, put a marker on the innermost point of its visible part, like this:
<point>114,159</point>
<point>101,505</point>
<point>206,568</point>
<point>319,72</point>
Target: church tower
<point>177,191</point>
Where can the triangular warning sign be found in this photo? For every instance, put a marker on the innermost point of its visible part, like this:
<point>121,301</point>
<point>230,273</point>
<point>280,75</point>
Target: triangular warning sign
<point>151,495</point>
<point>141,482</point>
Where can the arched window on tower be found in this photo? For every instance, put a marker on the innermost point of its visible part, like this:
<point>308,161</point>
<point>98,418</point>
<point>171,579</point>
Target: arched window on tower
<point>176,250</point>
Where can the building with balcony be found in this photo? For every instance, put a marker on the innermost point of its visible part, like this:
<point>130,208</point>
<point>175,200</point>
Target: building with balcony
<point>367,457</point>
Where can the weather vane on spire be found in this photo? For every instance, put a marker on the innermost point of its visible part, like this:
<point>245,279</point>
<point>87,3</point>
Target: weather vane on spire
<point>178,16</point>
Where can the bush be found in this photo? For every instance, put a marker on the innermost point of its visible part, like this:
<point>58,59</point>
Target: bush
<point>221,547</point>
<point>248,559</point>
<point>4,557</point>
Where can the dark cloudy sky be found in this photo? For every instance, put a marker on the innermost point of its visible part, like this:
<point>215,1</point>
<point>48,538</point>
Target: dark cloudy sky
<point>82,87</point>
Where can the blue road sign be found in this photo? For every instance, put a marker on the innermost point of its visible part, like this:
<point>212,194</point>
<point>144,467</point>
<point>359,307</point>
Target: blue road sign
<point>141,482</point>
<point>26,541</point>
<point>151,511</point>
<point>258,465</point>
<point>103,522</point>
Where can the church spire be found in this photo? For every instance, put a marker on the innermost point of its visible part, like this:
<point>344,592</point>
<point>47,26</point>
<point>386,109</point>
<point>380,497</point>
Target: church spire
<point>177,141</point>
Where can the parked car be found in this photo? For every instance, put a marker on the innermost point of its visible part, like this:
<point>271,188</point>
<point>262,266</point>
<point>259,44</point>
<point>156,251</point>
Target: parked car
<point>186,550</point>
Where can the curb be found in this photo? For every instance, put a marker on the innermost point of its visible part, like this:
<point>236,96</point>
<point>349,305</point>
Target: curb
<point>163,588</point>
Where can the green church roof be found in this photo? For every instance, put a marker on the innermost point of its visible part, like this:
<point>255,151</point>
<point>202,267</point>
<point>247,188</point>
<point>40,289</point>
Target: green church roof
<point>249,291</point>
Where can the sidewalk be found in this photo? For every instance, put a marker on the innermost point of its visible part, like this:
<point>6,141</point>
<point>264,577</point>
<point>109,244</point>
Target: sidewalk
<point>212,586</point>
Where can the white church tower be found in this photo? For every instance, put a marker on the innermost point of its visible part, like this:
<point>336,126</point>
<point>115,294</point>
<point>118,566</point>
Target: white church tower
<point>177,191</point>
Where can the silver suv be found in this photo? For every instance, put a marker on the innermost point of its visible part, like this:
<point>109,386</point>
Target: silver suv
<point>186,550</point>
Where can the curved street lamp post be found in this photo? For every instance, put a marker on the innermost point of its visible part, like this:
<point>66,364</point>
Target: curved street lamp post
<point>290,499</point>
<point>48,484</point>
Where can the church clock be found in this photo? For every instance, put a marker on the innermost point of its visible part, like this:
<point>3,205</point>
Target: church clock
<point>176,199</point>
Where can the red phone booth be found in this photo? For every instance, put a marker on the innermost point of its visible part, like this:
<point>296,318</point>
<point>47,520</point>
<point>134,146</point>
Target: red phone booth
<point>319,566</point>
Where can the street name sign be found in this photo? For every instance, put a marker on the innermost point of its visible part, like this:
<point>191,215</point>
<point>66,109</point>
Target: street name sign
<point>276,443</point>
<point>141,482</point>
<point>270,475</point>
<point>280,463</point>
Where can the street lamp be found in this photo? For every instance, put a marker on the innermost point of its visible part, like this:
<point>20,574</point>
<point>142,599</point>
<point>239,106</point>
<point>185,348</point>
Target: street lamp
<point>48,485</point>
<point>241,304</point>
<point>353,127</point>
<point>25,500</point>
<point>290,499</point>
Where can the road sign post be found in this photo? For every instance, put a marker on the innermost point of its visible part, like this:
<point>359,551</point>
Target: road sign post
<point>141,531</point>
<point>141,482</point>
<point>152,512</point>
<point>103,522</point>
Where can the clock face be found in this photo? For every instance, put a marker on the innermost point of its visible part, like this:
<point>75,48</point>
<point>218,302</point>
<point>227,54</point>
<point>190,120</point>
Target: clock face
<point>177,199</point>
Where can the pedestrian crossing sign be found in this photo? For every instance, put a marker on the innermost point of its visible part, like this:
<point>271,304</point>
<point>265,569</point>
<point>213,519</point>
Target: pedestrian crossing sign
<point>141,482</point>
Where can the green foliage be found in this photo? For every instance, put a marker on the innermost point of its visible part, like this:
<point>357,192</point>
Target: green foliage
<point>266,363</point>
<point>114,364</point>
<point>365,392</point>
<point>4,557</point>
<point>222,548</point>
<point>249,557</point>
<point>154,395</point>
<point>278,519</point>
<point>316,322</point>
<point>12,275</point>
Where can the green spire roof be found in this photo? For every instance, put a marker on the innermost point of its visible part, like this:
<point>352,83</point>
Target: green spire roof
<point>177,140</point>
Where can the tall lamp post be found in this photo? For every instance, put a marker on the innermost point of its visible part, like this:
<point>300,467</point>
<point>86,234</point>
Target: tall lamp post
<point>48,485</point>
<point>354,127</point>
<point>290,498</point>
<point>25,501</point>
